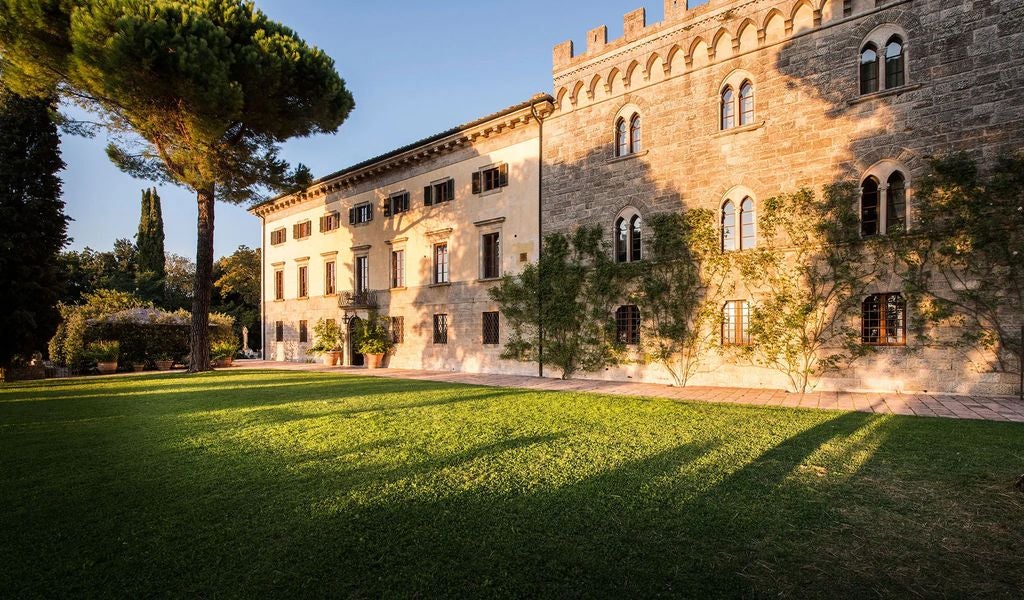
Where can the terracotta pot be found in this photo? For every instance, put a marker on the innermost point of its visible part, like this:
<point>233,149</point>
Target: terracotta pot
<point>373,360</point>
<point>106,368</point>
<point>330,359</point>
<point>164,365</point>
<point>138,368</point>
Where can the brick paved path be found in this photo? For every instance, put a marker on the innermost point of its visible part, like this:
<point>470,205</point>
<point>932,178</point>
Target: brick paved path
<point>926,405</point>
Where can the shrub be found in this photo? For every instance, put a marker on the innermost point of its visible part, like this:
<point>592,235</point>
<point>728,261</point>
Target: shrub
<point>223,350</point>
<point>104,351</point>
<point>373,336</point>
<point>67,347</point>
<point>329,337</point>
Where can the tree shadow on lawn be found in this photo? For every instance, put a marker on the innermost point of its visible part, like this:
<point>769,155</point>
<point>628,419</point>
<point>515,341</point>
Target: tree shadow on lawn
<point>424,500</point>
<point>152,396</point>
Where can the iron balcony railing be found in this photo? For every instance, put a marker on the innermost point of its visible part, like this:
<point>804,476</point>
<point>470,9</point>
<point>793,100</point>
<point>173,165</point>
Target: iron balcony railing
<point>358,299</point>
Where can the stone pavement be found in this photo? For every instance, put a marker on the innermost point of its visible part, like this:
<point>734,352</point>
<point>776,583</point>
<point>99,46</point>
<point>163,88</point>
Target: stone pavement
<point>992,408</point>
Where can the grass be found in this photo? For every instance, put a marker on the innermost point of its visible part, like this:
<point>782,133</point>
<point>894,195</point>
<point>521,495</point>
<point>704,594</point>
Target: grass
<point>251,483</point>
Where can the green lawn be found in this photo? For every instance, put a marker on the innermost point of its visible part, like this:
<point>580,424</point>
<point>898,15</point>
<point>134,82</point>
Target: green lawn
<point>250,483</point>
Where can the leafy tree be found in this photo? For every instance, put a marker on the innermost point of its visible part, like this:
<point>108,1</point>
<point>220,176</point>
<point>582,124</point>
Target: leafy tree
<point>681,287</point>
<point>236,289</point>
<point>808,276</point>
<point>579,285</point>
<point>34,225</point>
<point>202,91</point>
<point>179,281</point>
<point>149,242</point>
<point>963,261</point>
<point>86,271</point>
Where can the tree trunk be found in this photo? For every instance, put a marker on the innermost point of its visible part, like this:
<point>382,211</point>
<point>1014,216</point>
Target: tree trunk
<point>200,338</point>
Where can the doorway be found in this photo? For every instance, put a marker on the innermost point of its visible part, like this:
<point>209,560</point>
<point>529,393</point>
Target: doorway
<point>353,342</point>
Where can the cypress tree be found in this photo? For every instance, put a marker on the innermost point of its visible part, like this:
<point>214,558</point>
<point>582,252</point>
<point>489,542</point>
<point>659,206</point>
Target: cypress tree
<point>150,245</point>
<point>34,225</point>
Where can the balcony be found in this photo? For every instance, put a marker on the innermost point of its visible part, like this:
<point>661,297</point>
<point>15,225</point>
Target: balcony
<point>358,299</point>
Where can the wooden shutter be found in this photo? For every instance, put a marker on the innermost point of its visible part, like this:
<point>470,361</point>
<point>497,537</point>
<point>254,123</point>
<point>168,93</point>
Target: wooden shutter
<point>450,189</point>
<point>428,195</point>
<point>352,216</point>
<point>295,230</point>
<point>369,212</point>
<point>405,201</point>
<point>322,224</point>
<point>502,175</point>
<point>476,182</point>
<point>387,206</point>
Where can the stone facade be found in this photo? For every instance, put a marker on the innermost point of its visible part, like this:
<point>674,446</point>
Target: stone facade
<point>964,71</point>
<point>507,141</point>
<point>811,125</point>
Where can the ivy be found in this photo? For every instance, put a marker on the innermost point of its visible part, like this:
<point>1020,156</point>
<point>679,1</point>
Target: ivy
<point>962,262</point>
<point>808,276</point>
<point>569,296</point>
<point>681,287</point>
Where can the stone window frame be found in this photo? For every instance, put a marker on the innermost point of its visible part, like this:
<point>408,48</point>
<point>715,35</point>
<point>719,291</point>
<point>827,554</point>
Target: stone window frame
<point>628,216</point>
<point>881,172</point>
<point>736,313</point>
<point>734,82</point>
<point>302,278</point>
<point>737,196</point>
<point>628,322</point>
<point>628,118</point>
<point>879,39</point>
<point>882,334</point>
<point>330,262</point>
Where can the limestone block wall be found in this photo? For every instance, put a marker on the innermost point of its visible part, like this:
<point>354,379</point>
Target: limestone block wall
<point>964,76</point>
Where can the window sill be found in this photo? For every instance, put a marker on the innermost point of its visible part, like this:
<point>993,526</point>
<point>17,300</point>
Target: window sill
<point>488,279</point>
<point>441,285</point>
<point>740,129</point>
<point>303,298</point>
<point>882,94</point>
<point>330,295</point>
<point>278,299</point>
<point>398,289</point>
<point>616,159</point>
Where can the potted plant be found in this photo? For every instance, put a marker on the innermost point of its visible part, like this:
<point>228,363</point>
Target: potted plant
<point>374,340</point>
<point>164,362</point>
<point>329,340</point>
<point>223,353</point>
<point>105,353</point>
<point>138,367</point>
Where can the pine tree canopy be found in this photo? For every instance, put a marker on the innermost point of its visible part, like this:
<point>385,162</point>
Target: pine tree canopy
<point>203,91</point>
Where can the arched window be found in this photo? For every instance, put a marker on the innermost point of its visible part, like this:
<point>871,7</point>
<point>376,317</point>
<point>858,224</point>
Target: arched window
<point>746,103</point>
<point>635,233</point>
<point>627,325</point>
<point>621,139</point>
<point>728,226</point>
<point>896,203</point>
<point>869,207</point>
<point>628,236</point>
<point>621,240</point>
<point>748,235</point>
<point>894,62</point>
<point>869,69</point>
<point>736,323</point>
<point>728,109</point>
<point>634,134</point>
<point>883,320</point>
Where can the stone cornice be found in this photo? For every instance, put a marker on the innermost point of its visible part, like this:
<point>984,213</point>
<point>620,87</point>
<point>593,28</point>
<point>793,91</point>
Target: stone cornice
<point>461,137</point>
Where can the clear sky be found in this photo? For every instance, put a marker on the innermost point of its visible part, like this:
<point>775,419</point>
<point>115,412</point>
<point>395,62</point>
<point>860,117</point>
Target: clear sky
<point>415,67</point>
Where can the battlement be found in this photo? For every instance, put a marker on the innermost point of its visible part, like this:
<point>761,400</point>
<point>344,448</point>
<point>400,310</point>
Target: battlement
<point>634,25</point>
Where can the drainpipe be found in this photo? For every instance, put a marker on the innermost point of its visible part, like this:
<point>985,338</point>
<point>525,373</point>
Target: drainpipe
<point>540,233</point>
<point>263,286</point>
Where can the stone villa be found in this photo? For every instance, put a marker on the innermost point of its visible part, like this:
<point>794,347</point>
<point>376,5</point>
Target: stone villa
<point>718,106</point>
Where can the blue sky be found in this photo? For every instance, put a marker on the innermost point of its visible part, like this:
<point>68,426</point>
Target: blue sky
<point>414,67</point>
